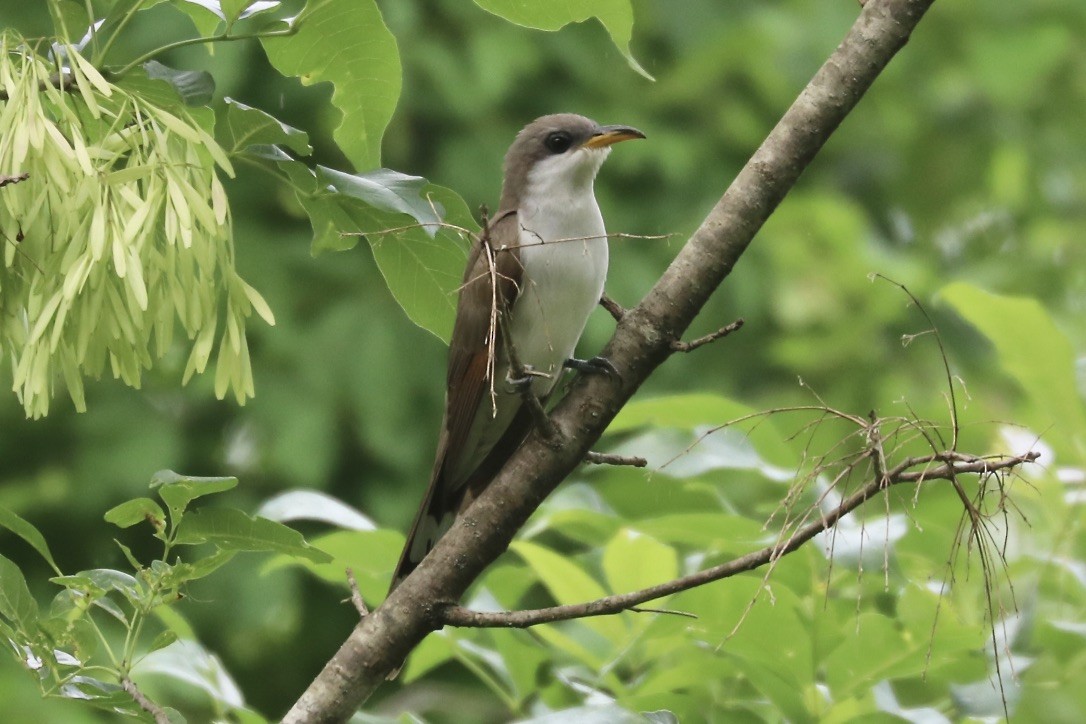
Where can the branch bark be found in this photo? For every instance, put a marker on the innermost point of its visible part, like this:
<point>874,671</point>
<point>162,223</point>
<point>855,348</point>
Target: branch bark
<point>642,341</point>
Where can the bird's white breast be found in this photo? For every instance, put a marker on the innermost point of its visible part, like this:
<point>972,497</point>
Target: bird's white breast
<point>564,255</point>
<point>563,249</point>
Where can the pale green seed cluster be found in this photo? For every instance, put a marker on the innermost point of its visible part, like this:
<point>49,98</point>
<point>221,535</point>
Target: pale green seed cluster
<point>120,230</point>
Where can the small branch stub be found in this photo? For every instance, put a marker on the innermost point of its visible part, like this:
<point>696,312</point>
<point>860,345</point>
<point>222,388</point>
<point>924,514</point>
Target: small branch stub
<point>613,308</point>
<point>356,595</point>
<point>633,461</point>
<point>678,346</point>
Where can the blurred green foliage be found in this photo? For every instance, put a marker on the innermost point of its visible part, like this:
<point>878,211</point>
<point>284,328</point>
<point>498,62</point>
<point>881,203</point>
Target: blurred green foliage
<point>961,175</point>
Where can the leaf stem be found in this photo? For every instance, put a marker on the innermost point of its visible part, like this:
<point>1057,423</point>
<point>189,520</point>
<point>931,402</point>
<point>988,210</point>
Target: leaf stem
<point>223,38</point>
<point>100,55</point>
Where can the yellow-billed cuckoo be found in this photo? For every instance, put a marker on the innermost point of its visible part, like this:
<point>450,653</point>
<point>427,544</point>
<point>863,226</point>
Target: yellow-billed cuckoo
<point>536,273</point>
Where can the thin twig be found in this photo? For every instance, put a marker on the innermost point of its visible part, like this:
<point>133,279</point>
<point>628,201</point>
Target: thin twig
<point>454,615</point>
<point>679,346</point>
<point>356,595</point>
<point>146,704</point>
<point>610,459</point>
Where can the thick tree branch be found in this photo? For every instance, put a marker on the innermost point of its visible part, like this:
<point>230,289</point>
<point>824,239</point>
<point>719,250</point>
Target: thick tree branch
<point>956,464</point>
<point>642,341</point>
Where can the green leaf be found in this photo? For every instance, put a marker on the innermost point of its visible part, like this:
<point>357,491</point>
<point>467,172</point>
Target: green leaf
<point>633,560</point>
<point>434,650</point>
<point>25,530</point>
<point>1033,350</point>
<point>231,529</point>
<point>16,603</point>
<point>196,87</point>
<point>370,554</point>
<point>190,662</point>
<point>180,490</point>
<point>696,411</point>
<point>718,532</point>
<point>164,639</point>
<point>615,15</point>
<point>243,127</point>
<point>568,583</point>
<point>96,581</point>
<point>346,43</point>
<point>181,573</point>
<point>423,272</point>
<point>131,512</point>
<point>874,649</point>
<point>313,505</point>
<point>386,190</point>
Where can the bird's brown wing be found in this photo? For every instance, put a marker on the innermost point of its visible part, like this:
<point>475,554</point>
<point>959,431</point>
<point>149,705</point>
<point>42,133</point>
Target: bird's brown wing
<point>470,353</point>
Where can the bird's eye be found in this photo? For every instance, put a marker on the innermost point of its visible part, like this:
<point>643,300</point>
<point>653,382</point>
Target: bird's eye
<point>558,142</point>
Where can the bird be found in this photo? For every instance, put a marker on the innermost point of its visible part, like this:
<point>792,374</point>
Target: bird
<point>533,277</point>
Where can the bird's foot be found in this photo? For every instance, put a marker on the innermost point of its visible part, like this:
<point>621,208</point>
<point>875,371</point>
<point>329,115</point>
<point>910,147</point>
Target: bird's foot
<point>524,378</point>
<point>595,366</point>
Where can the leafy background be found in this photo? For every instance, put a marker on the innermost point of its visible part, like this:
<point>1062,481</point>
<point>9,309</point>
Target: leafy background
<point>961,175</point>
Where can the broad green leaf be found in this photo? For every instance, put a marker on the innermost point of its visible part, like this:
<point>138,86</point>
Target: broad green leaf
<point>435,650</point>
<point>1033,350</point>
<point>96,581</point>
<point>569,583</point>
<point>131,512</point>
<point>231,529</point>
<point>873,649</point>
<point>386,190</point>
<point>181,573</point>
<point>235,9</point>
<point>346,43</point>
<point>701,410</point>
<point>422,265</point>
<point>16,603</point>
<point>180,490</point>
<point>206,15</point>
<point>190,662</point>
<point>615,15</point>
<point>164,639</point>
<point>370,554</point>
<point>524,658</point>
<point>423,272</point>
<point>100,694</point>
<point>242,126</point>
<point>25,530</point>
<point>313,505</point>
<point>610,713</point>
<point>196,87</point>
<point>633,560</point>
<point>706,531</point>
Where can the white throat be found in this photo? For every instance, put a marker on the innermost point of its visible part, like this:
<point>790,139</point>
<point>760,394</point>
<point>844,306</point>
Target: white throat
<point>563,251</point>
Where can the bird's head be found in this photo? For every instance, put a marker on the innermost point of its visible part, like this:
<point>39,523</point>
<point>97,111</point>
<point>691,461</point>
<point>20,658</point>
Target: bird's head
<point>561,151</point>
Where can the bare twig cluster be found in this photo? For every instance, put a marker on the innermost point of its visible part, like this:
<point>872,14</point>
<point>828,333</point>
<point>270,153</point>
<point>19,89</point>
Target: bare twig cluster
<point>942,466</point>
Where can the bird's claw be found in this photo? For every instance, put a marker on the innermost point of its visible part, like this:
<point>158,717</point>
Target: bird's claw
<point>595,366</point>
<point>523,383</point>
